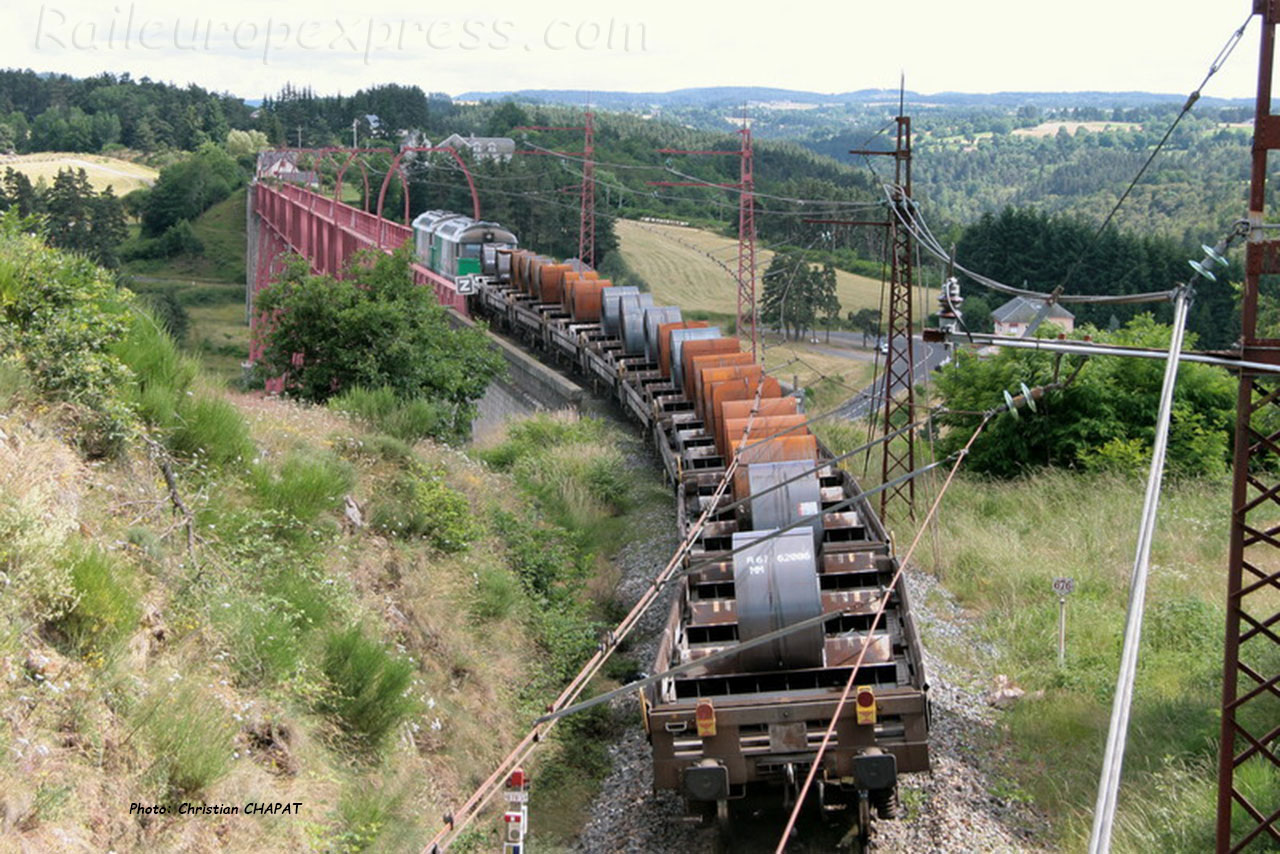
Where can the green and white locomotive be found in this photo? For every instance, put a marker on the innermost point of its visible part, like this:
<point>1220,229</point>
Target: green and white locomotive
<point>456,246</point>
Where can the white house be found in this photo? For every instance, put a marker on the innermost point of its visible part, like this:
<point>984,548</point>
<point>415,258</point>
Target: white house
<point>1013,318</point>
<point>482,147</point>
<point>284,166</point>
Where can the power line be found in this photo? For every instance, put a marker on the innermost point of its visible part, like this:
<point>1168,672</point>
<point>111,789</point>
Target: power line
<point>1218,62</point>
<point>909,216</point>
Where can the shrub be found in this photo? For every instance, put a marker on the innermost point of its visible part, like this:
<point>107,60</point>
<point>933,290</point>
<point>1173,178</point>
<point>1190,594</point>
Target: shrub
<point>189,734</point>
<point>367,693</point>
<point>61,317</point>
<point>1102,419</point>
<point>374,327</point>
<point>421,504</point>
<point>549,561</point>
<point>568,638</point>
<point>305,486</point>
<point>106,605</point>
<point>1118,456</point>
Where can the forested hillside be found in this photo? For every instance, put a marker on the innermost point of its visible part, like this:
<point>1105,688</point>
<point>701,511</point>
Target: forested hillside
<point>972,161</point>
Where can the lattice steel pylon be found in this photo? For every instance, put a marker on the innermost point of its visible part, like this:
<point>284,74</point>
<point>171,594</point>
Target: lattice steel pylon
<point>899,364</point>
<point>748,321</point>
<point>1250,741</point>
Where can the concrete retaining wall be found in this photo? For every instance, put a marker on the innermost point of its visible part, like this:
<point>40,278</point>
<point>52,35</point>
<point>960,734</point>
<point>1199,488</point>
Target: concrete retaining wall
<point>529,387</point>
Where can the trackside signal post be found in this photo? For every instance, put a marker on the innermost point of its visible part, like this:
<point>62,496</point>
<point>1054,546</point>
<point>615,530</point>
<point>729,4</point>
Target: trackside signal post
<point>1063,587</point>
<point>1250,684</point>
<point>748,318</point>
<point>516,818</point>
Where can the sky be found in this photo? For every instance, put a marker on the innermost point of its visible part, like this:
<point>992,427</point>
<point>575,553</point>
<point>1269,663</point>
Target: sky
<point>253,48</point>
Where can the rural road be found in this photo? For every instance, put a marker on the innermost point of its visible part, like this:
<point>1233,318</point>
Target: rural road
<point>927,358</point>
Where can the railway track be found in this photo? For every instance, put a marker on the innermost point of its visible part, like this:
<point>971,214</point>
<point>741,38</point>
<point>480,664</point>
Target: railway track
<point>754,651</point>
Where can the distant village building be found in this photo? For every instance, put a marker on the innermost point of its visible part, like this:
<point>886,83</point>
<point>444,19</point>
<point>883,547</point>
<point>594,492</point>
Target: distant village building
<point>283,165</point>
<point>1013,318</point>
<point>482,147</point>
<point>413,139</point>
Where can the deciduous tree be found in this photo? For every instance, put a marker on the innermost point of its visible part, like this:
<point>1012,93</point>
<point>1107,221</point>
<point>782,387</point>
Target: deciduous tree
<point>373,328</point>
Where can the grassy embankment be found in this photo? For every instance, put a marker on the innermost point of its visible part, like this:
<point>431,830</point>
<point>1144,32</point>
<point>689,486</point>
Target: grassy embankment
<point>1002,543</point>
<point>998,547</point>
<point>257,642</point>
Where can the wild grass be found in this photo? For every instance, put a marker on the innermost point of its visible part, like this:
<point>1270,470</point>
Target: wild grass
<point>1002,545</point>
<point>263,639</point>
<point>496,595</point>
<point>211,430</point>
<point>368,689</point>
<point>106,603</point>
<point>573,469</point>
<point>40,501</point>
<point>407,420</point>
<point>306,485</point>
<point>14,383</point>
<point>374,818</point>
<point>162,374</point>
<point>189,734</point>
<point>198,426</point>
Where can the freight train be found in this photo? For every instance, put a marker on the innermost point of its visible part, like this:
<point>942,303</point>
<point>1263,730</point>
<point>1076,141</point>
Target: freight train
<point>751,721</point>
